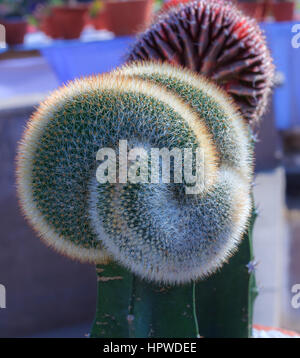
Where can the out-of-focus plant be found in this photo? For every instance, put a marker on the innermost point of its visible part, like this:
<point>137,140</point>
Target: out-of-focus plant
<point>41,10</point>
<point>14,8</point>
<point>96,7</point>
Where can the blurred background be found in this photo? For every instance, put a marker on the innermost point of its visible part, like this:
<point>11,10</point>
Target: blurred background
<point>50,42</point>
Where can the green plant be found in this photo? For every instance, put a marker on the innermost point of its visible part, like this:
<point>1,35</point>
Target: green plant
<point>173,259</point>
<point>14,8</point>
<point>45,10</point>
<point>138,224</point>
<point>42,10</point>
<point>207,307</point>
<point>96,7</point>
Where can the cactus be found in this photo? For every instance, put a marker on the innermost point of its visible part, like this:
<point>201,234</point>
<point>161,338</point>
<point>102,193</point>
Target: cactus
<point>66,204</point>
<point>220,306</point>
<point>172,258</point>
<point>229,132</point>
<point>217,40</point>
<point>156,231</point>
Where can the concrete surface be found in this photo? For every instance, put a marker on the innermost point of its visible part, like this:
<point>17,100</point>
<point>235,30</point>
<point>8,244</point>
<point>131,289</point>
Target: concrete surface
<point>291,315</point>
<point>44,290</point>
<point>270,242</point>
<point>23,77</point>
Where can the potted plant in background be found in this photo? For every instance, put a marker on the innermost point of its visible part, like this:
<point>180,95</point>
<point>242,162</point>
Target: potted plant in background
<point>98,14</point>
<point>13,17</point>
<point>43,18</point>
<point>61,18</point>
<point>283,10</point>
<point>254,8</point>
<point>128,17</point>
<point>70,18</point>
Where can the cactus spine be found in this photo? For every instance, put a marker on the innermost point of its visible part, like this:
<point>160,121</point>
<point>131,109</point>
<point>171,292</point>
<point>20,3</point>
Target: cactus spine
<point>216,39</point>
<point>206,308</point>
<point>156,230</point>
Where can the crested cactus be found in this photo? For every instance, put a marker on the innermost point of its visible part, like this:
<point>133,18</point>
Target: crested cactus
<point>214,107</point>
<point>217,40</point>
<point>77,215</point>
<point>156,230</point>
<point>172,256</point>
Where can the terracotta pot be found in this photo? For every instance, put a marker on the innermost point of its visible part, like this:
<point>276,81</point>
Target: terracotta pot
<point>252,9</point>
<point>15,31</point>
<point>67,22</point>
<point>283,11</point>
<point>49,27</point>
<point>100,21</point>
<point>128,17</point>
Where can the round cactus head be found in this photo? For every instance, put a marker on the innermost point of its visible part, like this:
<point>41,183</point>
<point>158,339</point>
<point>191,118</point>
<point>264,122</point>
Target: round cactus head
<point>214,107</point>
<point>57,156</point>
<point>163,231</point>
<point>215,39</point>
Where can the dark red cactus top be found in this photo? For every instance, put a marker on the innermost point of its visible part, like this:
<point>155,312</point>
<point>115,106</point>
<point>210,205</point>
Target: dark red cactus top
<point>216,39</point>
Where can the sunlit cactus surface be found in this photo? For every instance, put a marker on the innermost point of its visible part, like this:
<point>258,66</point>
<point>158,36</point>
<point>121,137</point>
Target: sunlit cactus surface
<point>156,230</point>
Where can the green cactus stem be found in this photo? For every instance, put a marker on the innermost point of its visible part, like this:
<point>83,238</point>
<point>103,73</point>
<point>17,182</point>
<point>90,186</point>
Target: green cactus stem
<point>220,306</point>
<point>128,307</point>
<point>114,291</point>
<point>225,300</point>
